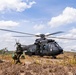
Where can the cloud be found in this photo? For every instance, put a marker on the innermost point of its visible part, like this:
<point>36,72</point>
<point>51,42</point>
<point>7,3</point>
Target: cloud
<point>16,5</point>
<point>7,36</point>
<point>8,23</point>
<point>6,40</point>
<point>70,34</point>
<point>73,31</point>
<point>39,27</point>
<point>71,48</point>
<point>66,17</point>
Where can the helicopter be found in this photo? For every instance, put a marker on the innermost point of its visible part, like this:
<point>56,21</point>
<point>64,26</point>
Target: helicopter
<point>42,46</point>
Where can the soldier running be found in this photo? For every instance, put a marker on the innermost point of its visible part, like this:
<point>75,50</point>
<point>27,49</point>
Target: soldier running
<point>19,52</point>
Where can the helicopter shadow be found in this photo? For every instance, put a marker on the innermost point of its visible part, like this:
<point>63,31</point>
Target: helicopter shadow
<point>50,57</point>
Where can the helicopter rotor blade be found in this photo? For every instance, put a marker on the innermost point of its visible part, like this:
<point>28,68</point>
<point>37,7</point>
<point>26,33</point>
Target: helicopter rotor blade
<point>15,31</point>
<point>63,38</point>
<point>54,33</point>
<point>23,36</point>
<point>37,35</point>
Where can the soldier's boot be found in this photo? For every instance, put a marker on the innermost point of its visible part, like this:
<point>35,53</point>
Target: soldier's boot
<point>16,62</point>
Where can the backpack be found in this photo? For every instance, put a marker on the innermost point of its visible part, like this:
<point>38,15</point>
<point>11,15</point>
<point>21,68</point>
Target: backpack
<point>14,56</point>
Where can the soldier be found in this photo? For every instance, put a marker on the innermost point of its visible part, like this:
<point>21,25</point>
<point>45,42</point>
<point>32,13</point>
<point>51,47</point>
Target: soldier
<point>19,52</point>
<point>38,44</point>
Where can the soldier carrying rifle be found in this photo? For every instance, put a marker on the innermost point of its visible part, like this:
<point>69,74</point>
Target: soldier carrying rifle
<point>18,53</point>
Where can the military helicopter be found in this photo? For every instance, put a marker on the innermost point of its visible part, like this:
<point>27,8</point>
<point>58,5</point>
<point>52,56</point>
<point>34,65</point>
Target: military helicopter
<point>42,46</point>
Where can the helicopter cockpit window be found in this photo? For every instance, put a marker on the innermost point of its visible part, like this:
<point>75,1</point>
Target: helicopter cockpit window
<point>53,46</point>
<point>56,44</point>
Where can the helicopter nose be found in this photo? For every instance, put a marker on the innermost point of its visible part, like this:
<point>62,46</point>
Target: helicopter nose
<point>61,51</point>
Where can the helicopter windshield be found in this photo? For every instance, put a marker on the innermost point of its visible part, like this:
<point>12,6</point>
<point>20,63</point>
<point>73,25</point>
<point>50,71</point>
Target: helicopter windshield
<point>54,46</point>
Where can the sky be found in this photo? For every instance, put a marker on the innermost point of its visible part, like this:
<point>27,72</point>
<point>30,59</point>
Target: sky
<point>37,16</point>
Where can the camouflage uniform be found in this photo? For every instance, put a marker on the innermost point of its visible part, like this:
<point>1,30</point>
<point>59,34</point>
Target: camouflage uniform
<point>19,52</point>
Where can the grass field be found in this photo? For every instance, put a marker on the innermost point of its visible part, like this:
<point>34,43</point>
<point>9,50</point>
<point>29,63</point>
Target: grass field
<point>65,64</point>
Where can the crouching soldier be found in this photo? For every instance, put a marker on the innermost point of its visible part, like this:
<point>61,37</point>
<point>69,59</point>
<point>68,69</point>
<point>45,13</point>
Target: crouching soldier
<point>19,52</point>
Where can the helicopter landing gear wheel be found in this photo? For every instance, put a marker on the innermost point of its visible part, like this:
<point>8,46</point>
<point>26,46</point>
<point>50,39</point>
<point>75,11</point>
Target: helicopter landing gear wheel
<point>30,54</point>
<point>41,55</point>
<point>53,57</point>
